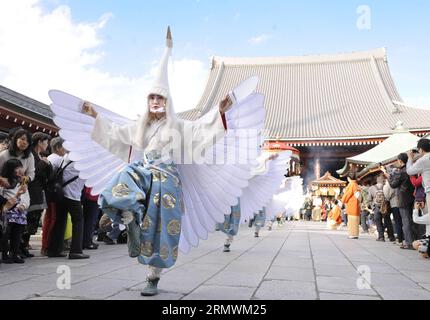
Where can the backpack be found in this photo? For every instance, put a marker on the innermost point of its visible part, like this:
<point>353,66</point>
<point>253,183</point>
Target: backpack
<point>54,188</point>
<point>379,198</point>
<point>381,202</point>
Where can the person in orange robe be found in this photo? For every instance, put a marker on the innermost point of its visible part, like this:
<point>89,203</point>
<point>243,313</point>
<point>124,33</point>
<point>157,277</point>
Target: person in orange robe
<point>351,199</point>
<point>334,219</point>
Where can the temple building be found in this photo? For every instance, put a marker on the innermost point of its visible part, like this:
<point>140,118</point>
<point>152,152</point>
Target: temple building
<point>17,110</point>
<point>329,107</point>
<point>327,186</point>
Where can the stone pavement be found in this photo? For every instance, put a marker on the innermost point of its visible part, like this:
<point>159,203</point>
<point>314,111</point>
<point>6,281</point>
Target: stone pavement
<point>301,260</point>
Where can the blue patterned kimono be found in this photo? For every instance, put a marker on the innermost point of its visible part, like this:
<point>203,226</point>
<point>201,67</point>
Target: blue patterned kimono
<point>260,218</point>
<point>231,221</point>
<point>153,194</point>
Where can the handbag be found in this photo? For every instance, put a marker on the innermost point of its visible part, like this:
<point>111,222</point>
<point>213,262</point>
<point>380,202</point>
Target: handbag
<point>385,208</point>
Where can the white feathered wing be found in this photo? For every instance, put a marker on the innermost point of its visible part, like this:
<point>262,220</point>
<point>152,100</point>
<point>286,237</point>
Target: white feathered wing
<point>288,199</point>
<point>210,190</point>
<point>264,185</point>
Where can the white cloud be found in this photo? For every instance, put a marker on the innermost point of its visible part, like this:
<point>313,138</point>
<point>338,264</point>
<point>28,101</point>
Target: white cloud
<point>260,39</point>
<point>41,50</point>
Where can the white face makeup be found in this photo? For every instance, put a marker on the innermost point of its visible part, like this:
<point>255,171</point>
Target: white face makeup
<point>156,103</point>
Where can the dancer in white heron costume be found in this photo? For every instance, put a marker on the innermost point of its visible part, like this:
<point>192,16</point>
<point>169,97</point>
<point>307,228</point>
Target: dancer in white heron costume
<point>174,194</point>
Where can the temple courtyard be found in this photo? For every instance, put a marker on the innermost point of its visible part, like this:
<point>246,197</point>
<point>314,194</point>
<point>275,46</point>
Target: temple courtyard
<point>297,261</point>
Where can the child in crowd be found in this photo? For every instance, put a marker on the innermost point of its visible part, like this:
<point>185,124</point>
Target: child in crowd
<point>14,216</point>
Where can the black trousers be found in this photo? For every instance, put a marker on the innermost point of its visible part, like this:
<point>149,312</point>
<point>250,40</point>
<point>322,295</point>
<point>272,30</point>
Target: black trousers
<point>11,239</point>
<point>363,219</point>
<point>91,212</point>
<point>382,222</point>
<point>33,220</point>
<point>398,225</point>
<point>56,245</point>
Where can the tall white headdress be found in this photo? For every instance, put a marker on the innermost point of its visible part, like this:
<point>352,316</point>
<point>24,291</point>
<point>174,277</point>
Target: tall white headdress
<point>160,85</point>
<point>161,82</point>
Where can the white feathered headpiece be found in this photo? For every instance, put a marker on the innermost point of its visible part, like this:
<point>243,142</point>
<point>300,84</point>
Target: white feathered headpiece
<point>160,85</point>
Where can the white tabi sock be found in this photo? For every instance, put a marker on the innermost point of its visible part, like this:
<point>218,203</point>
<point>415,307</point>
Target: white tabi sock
<point>155,273</point>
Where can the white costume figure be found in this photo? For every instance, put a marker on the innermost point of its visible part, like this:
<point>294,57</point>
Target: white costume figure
<point>288,199</point>
<point>265,180</point>
<point>174,196</point>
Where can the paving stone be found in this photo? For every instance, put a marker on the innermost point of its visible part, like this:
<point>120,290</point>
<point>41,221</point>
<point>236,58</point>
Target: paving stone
<point>219,257</point>
<point>53,277</point>
<point>52,298</point>
<point>138,272</point>
<point>286,290</point>
<point>337,271</point>
<point>25,289</point>
<point>394,281</point>
<point>377,267</point>
<point>233,278</point>
<point>425,286</point>
<point>304,254</point>
<point>135,295</point>
<point>341,285</point>
<point>331,262</point>
<point>96,288</point>
<point>210,292</point>
<point>284,261</point>
<point>342,297</point>
<point>104,267</point>
<point>12,277</point>
<point>365,259</point>
<point>403,294</point>
<point>292,274</point>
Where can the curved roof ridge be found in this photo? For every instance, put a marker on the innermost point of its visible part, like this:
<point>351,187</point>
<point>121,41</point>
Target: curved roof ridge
<point>380,53</point>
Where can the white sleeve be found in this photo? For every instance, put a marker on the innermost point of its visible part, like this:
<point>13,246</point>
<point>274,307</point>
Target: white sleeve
<point>55,161</point>
<point>425,219</point>
<point>114,138</point>
<point>415,168</point>
<point>204,132</point>
<point>31,170</point>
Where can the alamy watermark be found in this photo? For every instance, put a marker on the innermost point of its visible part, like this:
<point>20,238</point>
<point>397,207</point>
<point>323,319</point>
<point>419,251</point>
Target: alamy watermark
<point>365,278</point>
<point>64,281</point>
<point>364,21</point>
